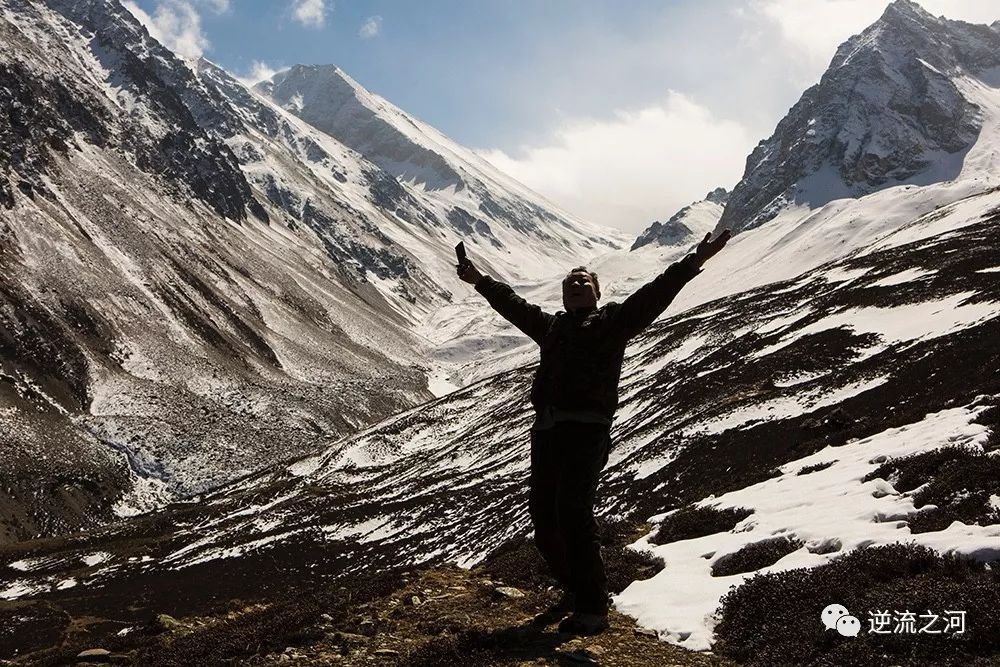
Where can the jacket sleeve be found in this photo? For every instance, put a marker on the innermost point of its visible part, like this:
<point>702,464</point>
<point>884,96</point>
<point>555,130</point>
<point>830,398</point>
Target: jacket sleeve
<point>647,303</point>
<point>527,317</point>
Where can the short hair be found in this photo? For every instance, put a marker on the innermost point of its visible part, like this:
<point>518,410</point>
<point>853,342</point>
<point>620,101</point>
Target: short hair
<point>593,277</point>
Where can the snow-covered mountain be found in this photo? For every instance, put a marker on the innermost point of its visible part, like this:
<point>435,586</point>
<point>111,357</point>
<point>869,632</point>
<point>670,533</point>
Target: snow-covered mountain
<point>821,348</point>
<point>197,282</point>
<point>900,103</point>
<point>687,225</point>
<point>501,218</point>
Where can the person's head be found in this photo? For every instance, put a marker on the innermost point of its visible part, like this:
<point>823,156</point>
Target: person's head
<point>580,289</point>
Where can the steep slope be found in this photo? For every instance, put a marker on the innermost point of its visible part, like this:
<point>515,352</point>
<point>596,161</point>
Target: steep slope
<point>196,282</point>
<point>800,389</point>
<point>158,333</point>
<point>895,106</point>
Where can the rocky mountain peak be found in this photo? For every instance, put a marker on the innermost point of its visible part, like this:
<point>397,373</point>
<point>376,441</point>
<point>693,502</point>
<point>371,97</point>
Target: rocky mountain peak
<point>890,109</point>
<point>483,203</point>
<point>718,196</point>
<point>906,10</point>
<point>326,98</point>
<point>686,225</point>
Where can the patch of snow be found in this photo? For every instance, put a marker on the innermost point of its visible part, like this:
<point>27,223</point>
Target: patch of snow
<point>799,378</point>
<point>66,583</point>
<point>840,274</point>
<point>21,588</point>
<point>440,384</point>
<point>371,530</point>
<point>907,276</point>
<point>683,352</point>
<point>781,322</point>
<point>96,558</point>
<point>907,323</point>
<point>830,506</point>
<point>146,494</point>
<point>647,468</point>
<point>240,550</point>
<point>306,466</point>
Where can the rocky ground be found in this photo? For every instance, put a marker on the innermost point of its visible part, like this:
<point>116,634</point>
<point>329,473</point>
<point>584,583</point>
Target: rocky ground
<point>450,616</point>
<point>493,614</point>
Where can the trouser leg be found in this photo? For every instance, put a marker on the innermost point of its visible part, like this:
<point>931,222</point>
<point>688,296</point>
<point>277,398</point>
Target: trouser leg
<point>543,486</point>
<point>584,453</point>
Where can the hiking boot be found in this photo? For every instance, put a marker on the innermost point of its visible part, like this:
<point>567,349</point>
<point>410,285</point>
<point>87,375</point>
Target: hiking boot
<point>580,623</point>
<point>560,608</point>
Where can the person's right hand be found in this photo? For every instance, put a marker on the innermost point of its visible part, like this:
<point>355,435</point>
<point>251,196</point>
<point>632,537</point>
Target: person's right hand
<point>708,248</point>
<point>468,272</point>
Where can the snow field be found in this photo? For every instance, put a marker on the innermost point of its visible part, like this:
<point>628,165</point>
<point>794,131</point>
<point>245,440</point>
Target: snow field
<point>829,506</point>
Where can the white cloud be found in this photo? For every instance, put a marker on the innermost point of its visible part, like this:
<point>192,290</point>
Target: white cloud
<point>259,71</point>
<point>311,13</point>
<point>371,27</point>
<point>637,167</point>
<point>176,24</point>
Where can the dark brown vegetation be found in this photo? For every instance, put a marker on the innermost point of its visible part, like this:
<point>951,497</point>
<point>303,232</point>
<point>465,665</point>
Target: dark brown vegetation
<point>955,482</point>
<point>816,467</point>
<point>755,556</point>
<point>691,522</point>
<point>775,618</point>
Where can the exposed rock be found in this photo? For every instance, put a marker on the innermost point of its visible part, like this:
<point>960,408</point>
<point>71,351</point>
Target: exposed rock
<point>94,655</point>
<point>509,592</point>
<point>718,196</point>
<point>171,624</point>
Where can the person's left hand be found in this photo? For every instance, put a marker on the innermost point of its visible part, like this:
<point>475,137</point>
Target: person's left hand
<point>708,248</point>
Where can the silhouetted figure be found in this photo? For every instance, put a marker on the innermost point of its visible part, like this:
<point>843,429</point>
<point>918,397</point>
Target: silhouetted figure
<point>575,395</point>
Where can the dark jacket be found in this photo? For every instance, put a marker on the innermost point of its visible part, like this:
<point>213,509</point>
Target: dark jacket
<point>582,352</point>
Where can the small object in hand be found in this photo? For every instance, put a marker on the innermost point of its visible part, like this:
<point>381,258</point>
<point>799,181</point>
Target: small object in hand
<point>460,252</point>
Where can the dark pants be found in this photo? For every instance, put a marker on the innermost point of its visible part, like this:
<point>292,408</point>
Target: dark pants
<point>565,463</point>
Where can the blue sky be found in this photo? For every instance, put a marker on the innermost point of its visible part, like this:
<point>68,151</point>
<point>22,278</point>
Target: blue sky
<point>489,72</point>
<point>620,112</point>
